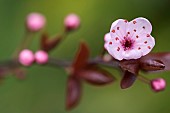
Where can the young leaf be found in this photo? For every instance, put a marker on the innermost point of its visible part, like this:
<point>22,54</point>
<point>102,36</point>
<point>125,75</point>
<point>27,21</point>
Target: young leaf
<point>156,61</point>
<point>49,44</point>
<point>152,65</point>
<point>43,41</point>
<point>82,56</point>
<point>130,65</point>
<point>96,76</point>
<point>73,92</point>
<point>127,80</point>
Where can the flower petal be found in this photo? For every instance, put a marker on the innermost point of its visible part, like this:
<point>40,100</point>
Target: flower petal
<point>139,26</point>
<point>145,43</point>
<point>114,48</point>
<point>118,28</point>
<point>131,54</point>
<point>107,37</point>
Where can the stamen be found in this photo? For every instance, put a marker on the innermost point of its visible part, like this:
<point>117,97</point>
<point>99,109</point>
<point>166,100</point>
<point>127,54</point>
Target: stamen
<point>137,36</point>
<point>127,43</point>
<point>125,21</point>
<point>118,49</point>
<point>145,42</point>
<point>134,22</point>
<point>149,47</point>
<point>116,38</point>
<point>113,31</point>
<point>147,35</point>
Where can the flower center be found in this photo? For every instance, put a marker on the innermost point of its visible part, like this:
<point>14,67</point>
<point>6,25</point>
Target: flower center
<point>127,43</point>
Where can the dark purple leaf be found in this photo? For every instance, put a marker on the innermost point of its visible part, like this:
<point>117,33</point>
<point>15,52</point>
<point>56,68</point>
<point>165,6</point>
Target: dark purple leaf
<point>49,44</point>
<point>130,65</point>
<point>159,61</point>
<point>81,57</point>
<point>96,76</point>
<point>152,65</point>
<point>43,42</point>
<point>127,80</point>
<point>73,92</point>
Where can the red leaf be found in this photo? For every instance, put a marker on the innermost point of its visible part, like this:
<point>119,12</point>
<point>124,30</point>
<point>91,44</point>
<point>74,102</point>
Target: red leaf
<point>81,57</point>
<point>152,65</point>
<point>73,92</point>
<point>44,39</point>
<point>96,76</point>
<point>127,80</point>
<point>157,61</point>
<point>49,44</point>
<point>130,65</point>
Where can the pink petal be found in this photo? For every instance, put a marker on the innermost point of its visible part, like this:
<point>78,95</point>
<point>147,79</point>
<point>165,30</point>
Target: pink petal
<point>107,37</point>
<point>118,28</point>
<point>139,26</point>
<point>115,49</point>
<point>144,43</point>
<point>131,54</point>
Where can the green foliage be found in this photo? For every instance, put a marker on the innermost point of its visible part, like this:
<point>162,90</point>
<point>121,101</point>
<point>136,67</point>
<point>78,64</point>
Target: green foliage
<point>44,89</point>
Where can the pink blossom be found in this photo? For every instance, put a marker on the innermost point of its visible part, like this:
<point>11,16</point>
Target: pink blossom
<point>26,57</point>
<point>41,57</point>
<point>158,84</point>
<point>72,22</point>
<point>35,22</point>
<point>129,40</point>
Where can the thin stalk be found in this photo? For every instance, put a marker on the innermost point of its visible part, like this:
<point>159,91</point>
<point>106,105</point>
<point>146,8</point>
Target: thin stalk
<point>26,41</point>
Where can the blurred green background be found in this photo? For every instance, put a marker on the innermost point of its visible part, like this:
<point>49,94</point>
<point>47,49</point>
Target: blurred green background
<point>43,91</point>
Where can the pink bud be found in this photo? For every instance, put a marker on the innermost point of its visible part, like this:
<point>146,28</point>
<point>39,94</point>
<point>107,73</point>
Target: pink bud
<point>72,22</point>
<point>26,57</point>
<point>107,58</point>
<point>41,57</point>
<point>35,22</point>
<point>158,84</point>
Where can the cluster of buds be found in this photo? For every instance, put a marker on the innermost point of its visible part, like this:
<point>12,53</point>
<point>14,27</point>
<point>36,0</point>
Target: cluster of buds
<point>26,57</point>
<point>127,48</point>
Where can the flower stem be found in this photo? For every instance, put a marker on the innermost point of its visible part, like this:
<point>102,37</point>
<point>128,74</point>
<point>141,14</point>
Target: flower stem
<point>143,79</point>
<point>27,39</point>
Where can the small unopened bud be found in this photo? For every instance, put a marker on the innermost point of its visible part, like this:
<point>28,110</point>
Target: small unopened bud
<point>72,22</point>
<point>107,58</point>
<point>158,84</point>
<point>35,22</point>
<point>41,57</point>
<point>26,57</point>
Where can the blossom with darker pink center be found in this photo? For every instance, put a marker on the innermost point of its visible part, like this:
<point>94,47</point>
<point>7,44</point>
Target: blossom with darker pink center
<point>129,40</point>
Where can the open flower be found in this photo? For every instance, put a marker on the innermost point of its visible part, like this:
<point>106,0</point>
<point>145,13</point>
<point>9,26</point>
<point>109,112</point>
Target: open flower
<point>129,40</point>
